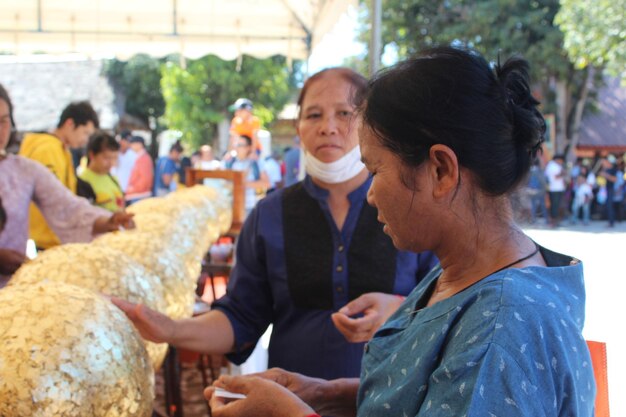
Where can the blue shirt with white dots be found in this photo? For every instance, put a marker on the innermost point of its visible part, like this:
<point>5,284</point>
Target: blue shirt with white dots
<point>509,345</point>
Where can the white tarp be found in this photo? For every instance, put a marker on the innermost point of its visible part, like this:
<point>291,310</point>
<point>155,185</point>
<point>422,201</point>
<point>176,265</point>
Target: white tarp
<point>194,28</point>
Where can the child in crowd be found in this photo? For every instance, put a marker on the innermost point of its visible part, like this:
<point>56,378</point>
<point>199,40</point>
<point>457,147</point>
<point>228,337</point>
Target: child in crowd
<point>583,195</point>
<point>96,183</point>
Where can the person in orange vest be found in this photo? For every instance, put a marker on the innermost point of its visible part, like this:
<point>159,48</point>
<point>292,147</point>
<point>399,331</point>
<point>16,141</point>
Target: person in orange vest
<point>244,123</point>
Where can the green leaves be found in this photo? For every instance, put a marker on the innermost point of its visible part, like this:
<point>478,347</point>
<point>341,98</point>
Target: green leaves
<point>138,80</point>
<point>595,33</point>
<point>493,27</point>
<point>195,98</point>
<point>502,28</point>
<point>199,95</point>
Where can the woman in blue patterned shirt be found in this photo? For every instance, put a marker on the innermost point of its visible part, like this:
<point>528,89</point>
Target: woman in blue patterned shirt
<point>496,329</point>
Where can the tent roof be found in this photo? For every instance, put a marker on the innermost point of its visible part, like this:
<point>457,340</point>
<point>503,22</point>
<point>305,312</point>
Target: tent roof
<point>194,28</point>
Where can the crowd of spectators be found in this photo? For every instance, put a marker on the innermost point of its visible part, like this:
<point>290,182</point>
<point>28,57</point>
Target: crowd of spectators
<point>38,187</point>
<point>587,189</point>
<point>118,170</point>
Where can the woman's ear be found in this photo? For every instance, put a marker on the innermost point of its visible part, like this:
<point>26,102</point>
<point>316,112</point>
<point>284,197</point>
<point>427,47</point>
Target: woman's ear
<point>299,135</point>
<point>445,170</point>
<point>69,124</point>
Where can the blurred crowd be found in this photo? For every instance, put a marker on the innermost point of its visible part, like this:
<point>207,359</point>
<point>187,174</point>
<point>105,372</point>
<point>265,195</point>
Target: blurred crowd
<point>139,177</point>
<point>119,170</point>
<point>115,169</point>
<point>39,186</point>
<point>587,189</point>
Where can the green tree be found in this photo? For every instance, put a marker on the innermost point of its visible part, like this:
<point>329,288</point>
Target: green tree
<point>138,82</point>
<point>198,96</point>
<point>357,63</point>
<point>595,33</point>
<point>595,40</point>
<point>496,28</point>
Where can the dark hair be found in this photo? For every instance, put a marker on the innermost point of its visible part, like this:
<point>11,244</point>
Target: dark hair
<point>125,134</point>
<point>137,139</point>
<point>4,95</point>
<point>3,214</point>
<point>452,96</point>
<point>247,138</point>
<point>81,113</point>
<point>358,82</point>
<point>101,141</point>
<point>176,147</point>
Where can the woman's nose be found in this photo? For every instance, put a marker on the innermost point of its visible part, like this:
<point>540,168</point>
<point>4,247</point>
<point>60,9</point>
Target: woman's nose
<point>329,125</point>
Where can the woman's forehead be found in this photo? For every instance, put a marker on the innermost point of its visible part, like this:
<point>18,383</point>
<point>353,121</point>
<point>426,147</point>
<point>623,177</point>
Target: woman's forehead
<point>4,107</point>
<point>368,140</point>
<point>331,85</point>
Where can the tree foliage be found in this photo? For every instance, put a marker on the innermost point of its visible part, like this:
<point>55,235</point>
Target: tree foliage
<point>498,29</point>
<point>493,27</point>
<point>198,95</point>
<point>595,33</point>
<point>138,80</point>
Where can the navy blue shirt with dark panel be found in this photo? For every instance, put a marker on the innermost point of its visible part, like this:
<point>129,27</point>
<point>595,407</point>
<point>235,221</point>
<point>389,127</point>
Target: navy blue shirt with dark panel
<point>304,339</point>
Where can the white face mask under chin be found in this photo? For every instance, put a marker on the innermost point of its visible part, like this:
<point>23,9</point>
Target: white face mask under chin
<point>341,170</point>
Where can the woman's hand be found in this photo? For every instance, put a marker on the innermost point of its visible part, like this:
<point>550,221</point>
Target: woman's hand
<point>152,325</point>
<point>306,388</point>
<point>119,220</point>
<point>376,308</point>
<point>330,398</point>
<point>10,261</point>
<point>263,398</point>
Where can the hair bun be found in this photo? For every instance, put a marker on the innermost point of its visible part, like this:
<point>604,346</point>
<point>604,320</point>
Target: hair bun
<point>528,123</point>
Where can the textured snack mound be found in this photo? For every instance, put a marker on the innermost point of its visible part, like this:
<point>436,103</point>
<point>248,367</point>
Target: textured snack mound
<point>67,351</point>
<point>100,269</point>
<point>155,255</point>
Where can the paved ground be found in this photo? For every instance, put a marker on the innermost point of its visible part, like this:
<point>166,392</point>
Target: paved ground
<point>603,252</point>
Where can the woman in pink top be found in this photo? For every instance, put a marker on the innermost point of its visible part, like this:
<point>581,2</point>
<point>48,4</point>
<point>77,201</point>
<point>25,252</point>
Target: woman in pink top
<point>23,180</point>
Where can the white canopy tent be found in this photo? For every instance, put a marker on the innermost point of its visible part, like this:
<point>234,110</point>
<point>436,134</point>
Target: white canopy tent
<point>193,28</point>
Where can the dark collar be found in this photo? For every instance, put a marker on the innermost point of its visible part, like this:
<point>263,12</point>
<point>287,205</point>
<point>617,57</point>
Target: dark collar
<point>320,193</point>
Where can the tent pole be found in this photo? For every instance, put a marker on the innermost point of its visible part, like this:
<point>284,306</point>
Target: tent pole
<point>309,43</point>
<point>174,17</point>
<point>375,38</point>
<point>39,27</point>
<point>309,35</point>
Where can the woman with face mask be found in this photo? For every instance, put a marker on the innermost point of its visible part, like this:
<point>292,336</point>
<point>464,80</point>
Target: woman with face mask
<point>23,180</point>
<point>312,259</point>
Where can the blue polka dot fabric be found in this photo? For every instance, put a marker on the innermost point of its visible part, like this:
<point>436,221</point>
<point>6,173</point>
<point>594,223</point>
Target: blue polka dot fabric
<point>509,345</point>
